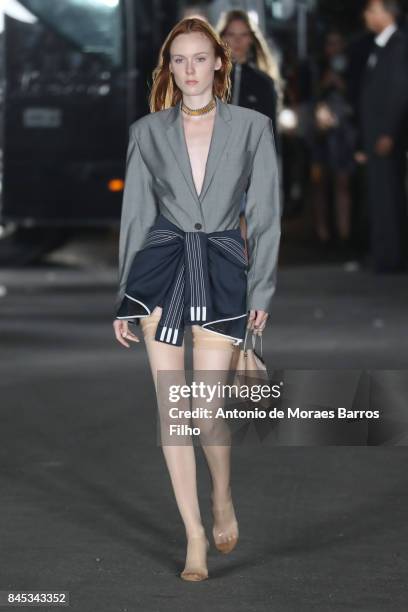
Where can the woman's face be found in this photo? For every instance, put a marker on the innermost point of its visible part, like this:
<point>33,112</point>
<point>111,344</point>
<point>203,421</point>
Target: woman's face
<point>239,38</point>
<point>193,62</point>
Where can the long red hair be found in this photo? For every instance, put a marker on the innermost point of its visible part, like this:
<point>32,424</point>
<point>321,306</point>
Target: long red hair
<point>165,92</point>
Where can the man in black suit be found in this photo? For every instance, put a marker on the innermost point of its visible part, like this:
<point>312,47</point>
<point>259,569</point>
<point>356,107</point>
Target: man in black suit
<point>382,111</point>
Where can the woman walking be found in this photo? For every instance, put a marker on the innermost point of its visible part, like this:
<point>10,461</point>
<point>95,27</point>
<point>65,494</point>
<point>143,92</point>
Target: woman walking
<point>182,260</point>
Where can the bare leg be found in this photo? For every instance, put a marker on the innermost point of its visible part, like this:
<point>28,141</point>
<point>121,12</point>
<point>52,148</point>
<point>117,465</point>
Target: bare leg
<point>343,205</point>
<point>212,352</point>
<point>320,203</point>
<point>180,460</point>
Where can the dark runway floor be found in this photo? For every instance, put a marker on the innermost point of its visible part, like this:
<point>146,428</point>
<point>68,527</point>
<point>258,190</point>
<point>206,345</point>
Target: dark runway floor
<point>87,506</point>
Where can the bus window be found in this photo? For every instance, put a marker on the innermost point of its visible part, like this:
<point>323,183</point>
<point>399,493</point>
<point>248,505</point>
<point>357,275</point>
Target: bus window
<point>92,26</point>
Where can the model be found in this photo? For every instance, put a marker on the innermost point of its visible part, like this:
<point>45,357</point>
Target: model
<point>182,260</point>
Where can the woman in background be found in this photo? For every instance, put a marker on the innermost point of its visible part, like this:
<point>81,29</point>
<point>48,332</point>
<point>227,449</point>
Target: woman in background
<point>333,142</point>
<point>256,80</point>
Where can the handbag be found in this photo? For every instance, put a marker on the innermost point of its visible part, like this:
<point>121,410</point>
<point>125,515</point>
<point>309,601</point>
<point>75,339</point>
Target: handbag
<point>250,368</point>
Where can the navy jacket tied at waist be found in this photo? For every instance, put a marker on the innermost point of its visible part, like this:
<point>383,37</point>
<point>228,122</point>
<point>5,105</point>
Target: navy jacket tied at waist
<point>196,277</point>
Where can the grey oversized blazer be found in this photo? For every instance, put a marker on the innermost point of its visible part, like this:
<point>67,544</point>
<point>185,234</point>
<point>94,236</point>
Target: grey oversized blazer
<point>241,158</point>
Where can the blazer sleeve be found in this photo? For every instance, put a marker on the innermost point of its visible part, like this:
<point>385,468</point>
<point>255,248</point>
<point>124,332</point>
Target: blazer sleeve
<point>263,219</point>
<point>139,211</point>
<point>396,98</point>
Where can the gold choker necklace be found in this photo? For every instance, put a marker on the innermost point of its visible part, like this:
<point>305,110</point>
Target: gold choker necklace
<point>199,111</point>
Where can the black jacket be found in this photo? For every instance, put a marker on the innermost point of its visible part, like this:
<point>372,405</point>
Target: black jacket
<point>257,91</point>
<point>384,93</point>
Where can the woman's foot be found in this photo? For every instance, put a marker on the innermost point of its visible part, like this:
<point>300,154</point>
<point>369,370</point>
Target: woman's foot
<point>225,528</point>
<point>196,560</point>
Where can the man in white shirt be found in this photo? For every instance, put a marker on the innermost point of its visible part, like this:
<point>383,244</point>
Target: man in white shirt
<point>383,110</point>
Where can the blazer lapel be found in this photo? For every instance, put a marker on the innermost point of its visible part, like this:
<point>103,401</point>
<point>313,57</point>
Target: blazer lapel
<point>221,134</point>
<point>176,138</point>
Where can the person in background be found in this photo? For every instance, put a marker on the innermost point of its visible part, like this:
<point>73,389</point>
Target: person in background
<point>333,142</point>
<point>255,78</point>
<point>382,115</point>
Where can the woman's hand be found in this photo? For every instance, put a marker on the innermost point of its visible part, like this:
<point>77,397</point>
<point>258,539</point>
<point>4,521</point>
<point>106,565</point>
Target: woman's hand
<point>360,157</point>
<point>121,328</point>
<point>257,321</point>
<point>384,145</point>
<point>325,118</point>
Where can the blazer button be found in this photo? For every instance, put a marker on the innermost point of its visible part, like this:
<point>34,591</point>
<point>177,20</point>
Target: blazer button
<point>198,226</point>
